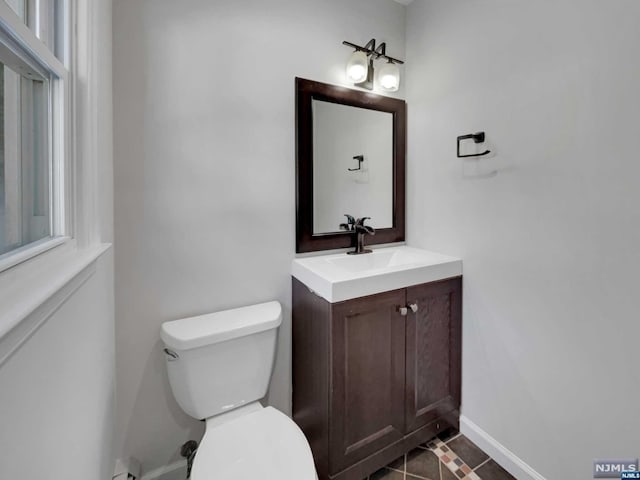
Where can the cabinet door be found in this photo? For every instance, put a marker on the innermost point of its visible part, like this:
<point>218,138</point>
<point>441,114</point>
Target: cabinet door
<point>367,377</point>
<point>433,365</point>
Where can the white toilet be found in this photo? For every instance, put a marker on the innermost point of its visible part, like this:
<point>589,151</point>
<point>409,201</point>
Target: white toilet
<point>219,366</point>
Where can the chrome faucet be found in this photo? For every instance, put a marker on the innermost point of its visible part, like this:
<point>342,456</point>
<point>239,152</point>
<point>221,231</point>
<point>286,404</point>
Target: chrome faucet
<point>360,230</point>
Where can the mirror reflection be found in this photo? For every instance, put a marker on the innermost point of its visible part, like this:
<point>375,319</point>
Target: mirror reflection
<point>352,165</point>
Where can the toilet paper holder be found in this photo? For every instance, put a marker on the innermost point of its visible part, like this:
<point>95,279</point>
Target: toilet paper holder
<point>477,138</point>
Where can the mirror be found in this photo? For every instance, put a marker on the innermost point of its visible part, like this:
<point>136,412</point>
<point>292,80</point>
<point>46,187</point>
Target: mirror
<point>350,154</point>
<point>352,168</point>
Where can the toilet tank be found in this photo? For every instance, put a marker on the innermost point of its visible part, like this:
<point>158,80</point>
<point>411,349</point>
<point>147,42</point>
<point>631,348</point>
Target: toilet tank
<point>223,360</point>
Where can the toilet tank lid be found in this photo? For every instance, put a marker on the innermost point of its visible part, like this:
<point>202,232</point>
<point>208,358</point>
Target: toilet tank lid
<point>194,332</point>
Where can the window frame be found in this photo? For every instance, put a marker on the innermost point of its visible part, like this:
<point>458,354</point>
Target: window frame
<point>31,291</point>
<point>22,42</point>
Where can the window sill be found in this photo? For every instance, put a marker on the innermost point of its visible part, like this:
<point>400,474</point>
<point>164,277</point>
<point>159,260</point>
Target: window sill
<point>15,257</point>
<point>32,291</point>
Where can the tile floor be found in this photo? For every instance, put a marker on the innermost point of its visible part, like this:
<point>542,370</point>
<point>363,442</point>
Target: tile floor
<point>450,456</point>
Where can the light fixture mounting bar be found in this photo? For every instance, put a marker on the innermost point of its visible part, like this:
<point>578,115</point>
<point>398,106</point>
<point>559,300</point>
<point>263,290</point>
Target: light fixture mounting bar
<point>370,49</point>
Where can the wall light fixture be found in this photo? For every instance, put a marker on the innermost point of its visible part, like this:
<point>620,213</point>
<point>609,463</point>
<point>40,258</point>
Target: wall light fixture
<point>360,69</point>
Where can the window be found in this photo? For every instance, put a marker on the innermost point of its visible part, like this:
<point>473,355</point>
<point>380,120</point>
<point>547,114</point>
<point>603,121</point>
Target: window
<point>46,19</point>
<point>24,159</point>
<point>33,122</point>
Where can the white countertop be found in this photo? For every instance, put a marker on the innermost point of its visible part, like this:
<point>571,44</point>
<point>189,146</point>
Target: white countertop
<point>339,276</point>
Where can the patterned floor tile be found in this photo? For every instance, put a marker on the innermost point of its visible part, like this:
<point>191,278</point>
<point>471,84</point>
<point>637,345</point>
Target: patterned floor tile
<point>467,451</point>
<point>447,474</point>
<point>451,461</point>
<point>437,460</point>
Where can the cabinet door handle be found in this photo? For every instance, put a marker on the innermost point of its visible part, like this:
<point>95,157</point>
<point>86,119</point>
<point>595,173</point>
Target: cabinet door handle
<point>413,307</point>
<point>403,311</point>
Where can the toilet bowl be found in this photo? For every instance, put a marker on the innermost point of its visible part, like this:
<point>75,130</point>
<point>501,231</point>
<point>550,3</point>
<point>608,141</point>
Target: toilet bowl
<point>219,367</point>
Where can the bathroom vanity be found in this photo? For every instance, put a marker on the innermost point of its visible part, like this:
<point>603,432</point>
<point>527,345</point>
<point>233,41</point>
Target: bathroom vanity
<point>376,336</point>
<point>376,355</point>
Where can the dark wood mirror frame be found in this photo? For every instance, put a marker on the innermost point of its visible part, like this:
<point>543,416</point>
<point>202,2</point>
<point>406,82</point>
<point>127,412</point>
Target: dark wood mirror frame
<point>306,92</point>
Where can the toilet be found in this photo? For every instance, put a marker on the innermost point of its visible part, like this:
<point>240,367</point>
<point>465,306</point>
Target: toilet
<point>219,367</point>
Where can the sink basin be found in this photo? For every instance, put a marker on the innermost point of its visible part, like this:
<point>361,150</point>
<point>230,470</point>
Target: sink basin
<point>379,259</point>
<point>339,277</point>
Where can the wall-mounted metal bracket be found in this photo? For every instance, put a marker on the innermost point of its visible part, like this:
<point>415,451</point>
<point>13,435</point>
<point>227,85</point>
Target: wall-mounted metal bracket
<point>375,52</point>
<point>477,138</point>
<point>360,159</point>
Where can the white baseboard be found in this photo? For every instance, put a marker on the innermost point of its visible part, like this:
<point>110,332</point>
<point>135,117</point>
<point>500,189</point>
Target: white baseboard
<point>125,467</point>
<point>173,471</point>
<point>502,455</point>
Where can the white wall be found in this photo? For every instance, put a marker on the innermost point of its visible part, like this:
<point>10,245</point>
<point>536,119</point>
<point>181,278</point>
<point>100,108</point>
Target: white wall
<point>204,175</point>
<point>57,390</point>
<point>341,132</point>
<point>550,242</point>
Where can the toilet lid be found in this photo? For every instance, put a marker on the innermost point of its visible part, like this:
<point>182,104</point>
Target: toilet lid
<point>265,444</point>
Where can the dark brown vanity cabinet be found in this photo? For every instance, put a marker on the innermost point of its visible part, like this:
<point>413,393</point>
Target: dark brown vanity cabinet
<point>370,382</point>
<point>367,377</point>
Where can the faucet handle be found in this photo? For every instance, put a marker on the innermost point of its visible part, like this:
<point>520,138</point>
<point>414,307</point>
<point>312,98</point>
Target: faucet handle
<point>351,222</point>
<point>361,227</point>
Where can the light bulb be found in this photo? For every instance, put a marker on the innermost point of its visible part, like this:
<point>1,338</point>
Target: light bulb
<point>357,67</point>
<point>389,77</point>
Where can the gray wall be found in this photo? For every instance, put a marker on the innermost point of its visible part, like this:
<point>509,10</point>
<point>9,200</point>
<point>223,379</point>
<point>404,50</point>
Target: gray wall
<point>204,175</point>
<point>550,241</point>
<point>57,391</point>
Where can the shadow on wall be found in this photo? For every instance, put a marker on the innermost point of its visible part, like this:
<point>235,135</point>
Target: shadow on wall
<point>192,429</point>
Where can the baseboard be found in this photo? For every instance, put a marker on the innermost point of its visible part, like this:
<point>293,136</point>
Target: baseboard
<point>502,455</point>
<point>125,468</point>
<point>173,471</point>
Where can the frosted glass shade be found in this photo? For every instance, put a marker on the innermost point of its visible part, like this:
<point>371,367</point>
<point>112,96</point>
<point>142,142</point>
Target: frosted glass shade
<point>389,77</point>
<point>358,67</point>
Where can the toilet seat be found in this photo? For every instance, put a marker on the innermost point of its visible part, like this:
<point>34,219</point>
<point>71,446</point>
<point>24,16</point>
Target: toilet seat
<point>262,444</point>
